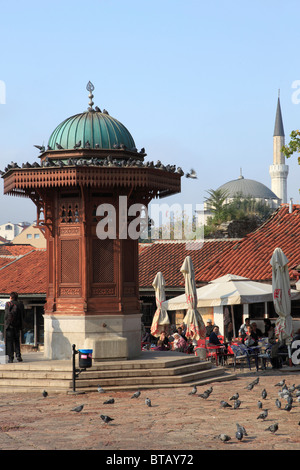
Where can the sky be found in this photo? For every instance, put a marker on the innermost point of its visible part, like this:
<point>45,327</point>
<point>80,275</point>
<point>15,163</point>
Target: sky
<point>195,82</point>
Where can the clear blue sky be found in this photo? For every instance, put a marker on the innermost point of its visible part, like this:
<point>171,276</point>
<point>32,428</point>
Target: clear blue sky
<point>195,82</point>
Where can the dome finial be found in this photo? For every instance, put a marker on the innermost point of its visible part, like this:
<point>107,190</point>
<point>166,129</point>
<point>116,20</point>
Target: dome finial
<point>90,87</point>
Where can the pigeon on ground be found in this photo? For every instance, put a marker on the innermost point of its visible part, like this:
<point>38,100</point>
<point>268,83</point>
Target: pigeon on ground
<point>100,389</point>
<point>288,407</point>
<point>292,388</point>
<point>224,404</point>
<point>109,402</point>
<point>259,404</point>
<point>264,394</point>
<point>278,403</point>
<point>223,437</point>
<point>280,384</point>
<point>263,415</point>
<point>193,391</point>
<point>78,408</point>
<point>249,387</point>
<point>106,418</point>
<point>236,404</point>
<point>204,395</point>
<point>241,429</point>
<point>239,435</point>
<point>45,394</point>
<point>273,428</point>
<point>136,394</point>
<point>290,400</point>
<point>148,402</point>
<point>234,397</point>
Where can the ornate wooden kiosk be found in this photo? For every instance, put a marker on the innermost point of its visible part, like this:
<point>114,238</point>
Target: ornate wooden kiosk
<point>93,290</point>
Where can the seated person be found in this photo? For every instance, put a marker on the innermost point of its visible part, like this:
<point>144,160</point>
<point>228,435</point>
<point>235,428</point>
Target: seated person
<point>213,337</point>
<point>243,328</point>
<point>191,342</point>
<point>251,338</point>
<point>179,343</point>
<point>180,331</point>
<point>256,330</point>
<point>164,339</point>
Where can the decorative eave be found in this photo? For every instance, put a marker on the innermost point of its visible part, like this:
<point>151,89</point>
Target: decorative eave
<point>161,183</point>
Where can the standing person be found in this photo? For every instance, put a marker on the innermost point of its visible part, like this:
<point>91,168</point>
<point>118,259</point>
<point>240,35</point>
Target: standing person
<point>12,326</point>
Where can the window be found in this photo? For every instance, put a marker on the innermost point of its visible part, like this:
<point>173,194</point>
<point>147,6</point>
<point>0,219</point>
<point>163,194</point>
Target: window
<point>36,235</point>
<point>257,310</point>
<point>8,227</point>
<point>29,235</point>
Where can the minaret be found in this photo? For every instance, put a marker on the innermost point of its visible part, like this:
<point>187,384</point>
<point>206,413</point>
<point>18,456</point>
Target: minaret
<point>279,170</point>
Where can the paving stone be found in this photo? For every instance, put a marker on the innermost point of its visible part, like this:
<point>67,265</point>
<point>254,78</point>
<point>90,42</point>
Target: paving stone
<point>174,422</point>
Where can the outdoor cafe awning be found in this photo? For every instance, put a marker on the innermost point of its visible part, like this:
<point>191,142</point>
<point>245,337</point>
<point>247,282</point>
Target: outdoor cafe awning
<point>228,290</point>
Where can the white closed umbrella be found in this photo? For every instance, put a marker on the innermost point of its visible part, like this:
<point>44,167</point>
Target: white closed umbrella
<point>282,296</point>
<point>161,317</point>
<point>193,319</point>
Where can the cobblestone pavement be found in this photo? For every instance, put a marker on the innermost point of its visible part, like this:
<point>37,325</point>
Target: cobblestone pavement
<point>175,421</point>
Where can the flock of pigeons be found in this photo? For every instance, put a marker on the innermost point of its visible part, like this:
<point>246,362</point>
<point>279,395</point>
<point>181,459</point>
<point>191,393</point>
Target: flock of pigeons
<point>285,393</point>
<point>108,161</point>
<point>105,418</point>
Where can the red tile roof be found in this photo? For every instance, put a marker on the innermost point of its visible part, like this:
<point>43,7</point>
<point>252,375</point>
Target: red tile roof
<point>168,258</point>
<point>23,268</point>
<point>248,257</point>
<point>25,274</point>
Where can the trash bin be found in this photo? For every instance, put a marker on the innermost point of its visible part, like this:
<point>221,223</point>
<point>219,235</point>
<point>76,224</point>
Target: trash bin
<point>85,358</point>
<point>201,352</point>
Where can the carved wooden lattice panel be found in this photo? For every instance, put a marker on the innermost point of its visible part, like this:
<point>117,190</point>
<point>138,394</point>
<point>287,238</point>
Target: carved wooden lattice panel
<point>103,261</point>
<point>70,261</point>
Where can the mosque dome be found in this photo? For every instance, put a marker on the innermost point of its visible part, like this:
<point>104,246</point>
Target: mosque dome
<point>247,188</point>
<point>93,129</point>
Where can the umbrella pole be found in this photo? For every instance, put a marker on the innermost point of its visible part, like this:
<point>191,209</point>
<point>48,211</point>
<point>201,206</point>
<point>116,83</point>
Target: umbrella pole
<point>232,317</point>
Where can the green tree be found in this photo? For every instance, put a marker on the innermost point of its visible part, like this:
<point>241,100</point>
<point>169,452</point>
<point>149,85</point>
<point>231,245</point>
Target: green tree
<point>216,203</point>
<point>293,146</point>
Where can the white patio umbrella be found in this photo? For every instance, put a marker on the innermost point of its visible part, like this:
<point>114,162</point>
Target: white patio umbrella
<point>282,296</point>
<point>161,317</point>
<point>193,319</point>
